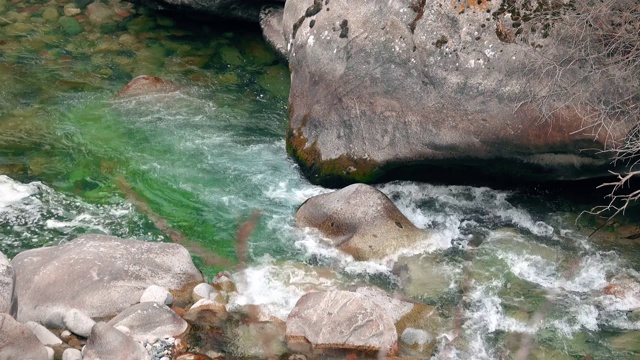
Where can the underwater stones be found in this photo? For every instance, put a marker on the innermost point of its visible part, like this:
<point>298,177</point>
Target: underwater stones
<point>423,276</point>
<point>146,85</point>
<point>98,275</point>
<point>150,320</point>
<point>256,340</point>
<point>70,25</point>
<point>18,342</point>
<point>99,13</point>
<point>70,10</point>
<point>8,303</point>
<point>361,221</point>
<point>50,13</point>
<point>391,104</point>
<point>107,343</point>
<point>339,320</point>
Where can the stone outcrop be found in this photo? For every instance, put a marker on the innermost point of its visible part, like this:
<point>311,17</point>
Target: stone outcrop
<point>386,89</point>
<point>150,320</point>
<point>361,221</point>
<point>97,275</point>
<point>339,320</point>
<point>18,342</point>
<point>107,343</point>
<point>8,302</point>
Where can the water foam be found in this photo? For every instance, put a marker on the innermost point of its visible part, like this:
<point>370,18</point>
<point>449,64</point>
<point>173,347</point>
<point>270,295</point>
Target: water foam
<point>276,287</point>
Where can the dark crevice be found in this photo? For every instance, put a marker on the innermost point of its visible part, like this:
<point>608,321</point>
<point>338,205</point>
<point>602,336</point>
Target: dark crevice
<point>418,8</point>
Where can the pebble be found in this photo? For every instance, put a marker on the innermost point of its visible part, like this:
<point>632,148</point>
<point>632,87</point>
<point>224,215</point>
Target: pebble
<point>72,354</point>
<point>203,291</point>
<point>50,352</point>
<point>159,294</point>
<point>78,322</point>
<point>43,334</point>
<point>160,349</point>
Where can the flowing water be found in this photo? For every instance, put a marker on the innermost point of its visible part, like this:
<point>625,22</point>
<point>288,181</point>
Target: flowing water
<point>508,271</point>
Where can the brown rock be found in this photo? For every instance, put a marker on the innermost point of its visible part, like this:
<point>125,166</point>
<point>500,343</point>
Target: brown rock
<point>339,320</point>
<point>206,313</point>
<point>361,221</point>
<point>146,85</point>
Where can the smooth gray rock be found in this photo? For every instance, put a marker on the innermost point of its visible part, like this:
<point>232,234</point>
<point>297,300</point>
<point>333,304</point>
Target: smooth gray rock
<point>107,343</point>
<point>203,291</point>
<point>96,274</point>
<point>8,301</point>
<point>339,320</point>
<point>150,320</point>
<point>271,25</point>
<point>159,294</point>
<point>50,352</point>
<point>18,342</point>
<point>389,89</point>
<point>43,334</point>
<point>361,221</point>
<point>72,354</point>
<point>78,322</point>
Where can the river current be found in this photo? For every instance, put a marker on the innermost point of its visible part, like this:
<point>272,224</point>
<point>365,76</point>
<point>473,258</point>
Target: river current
<point>509,269</point>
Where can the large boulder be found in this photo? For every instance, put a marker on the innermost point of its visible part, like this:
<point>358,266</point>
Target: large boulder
<point>8,302</point>
<point>339,320</point>
<point>18,342</point>
<point>97,275</point>
<point>427,90</point>
<point>361,221</point>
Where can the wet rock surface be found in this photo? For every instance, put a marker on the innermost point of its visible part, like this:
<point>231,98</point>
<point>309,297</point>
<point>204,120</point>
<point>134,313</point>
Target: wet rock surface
<point>339,320</point>
<point>382,90</point>
<point>97,275</point>
<point>361,221</point>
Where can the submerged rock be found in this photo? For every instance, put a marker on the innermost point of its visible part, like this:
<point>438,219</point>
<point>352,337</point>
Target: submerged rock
<point>96,274</point>
<point>361,221</point>
<point>146,85</point>
<point>8,302</point>
<point>339,320</point>
<point>18,342</point>
<point>386,89</point>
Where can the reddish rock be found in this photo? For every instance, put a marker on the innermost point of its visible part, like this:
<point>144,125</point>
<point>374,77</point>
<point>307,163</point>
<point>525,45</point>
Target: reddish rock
<point>361,221</point>
<point>146,85</point>
<point>339,320</point>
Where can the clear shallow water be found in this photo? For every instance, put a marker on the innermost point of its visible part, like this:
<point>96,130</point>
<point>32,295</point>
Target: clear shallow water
<point>507,270</point>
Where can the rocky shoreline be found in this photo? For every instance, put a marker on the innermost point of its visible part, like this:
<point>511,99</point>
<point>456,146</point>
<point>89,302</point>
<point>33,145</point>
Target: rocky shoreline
<point>102,297</point>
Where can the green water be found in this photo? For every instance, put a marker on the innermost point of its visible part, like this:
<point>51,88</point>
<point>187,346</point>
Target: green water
<point>195,155</point>
<point>205,157</point>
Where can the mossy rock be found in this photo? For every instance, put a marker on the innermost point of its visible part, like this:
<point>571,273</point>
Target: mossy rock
<point>231,56</point>
<point>70,25</point>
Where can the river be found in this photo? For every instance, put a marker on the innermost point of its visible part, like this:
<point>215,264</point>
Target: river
<point>510,269</point>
